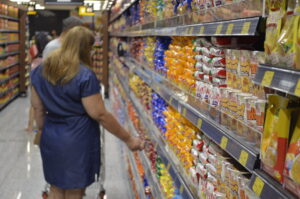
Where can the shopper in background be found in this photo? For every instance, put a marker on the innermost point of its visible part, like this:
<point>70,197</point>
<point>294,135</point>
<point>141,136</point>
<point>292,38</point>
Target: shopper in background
<point>68,108</point>
<point>36,51</point>
<point>68,23</point>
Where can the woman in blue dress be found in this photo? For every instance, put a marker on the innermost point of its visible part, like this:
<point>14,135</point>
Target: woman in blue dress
<point>68,108</point>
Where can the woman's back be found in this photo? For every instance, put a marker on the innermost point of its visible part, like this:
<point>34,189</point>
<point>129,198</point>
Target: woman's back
<point>65,100</point>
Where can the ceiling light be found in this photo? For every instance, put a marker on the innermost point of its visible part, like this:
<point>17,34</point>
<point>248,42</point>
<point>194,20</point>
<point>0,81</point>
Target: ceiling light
<point>39,7</point>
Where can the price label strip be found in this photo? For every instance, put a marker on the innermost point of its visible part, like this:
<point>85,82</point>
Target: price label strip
<point>219,29</point>
<point>229,29</point>
<point>297,89</point>
<point>224,142</point>
<point>246,28</point>
<point>258,186</point>
<point>244,158</point>
<point>268,78</point>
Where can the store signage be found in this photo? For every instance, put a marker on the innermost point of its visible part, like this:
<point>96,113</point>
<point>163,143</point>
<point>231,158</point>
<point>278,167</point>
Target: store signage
<point>66,2</point>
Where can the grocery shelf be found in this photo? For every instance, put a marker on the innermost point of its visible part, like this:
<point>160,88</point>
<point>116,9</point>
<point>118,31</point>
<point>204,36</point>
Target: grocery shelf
<point>138,183</point>
<point>9,78</point>
<point>9,42</point>
<point>9,90</point>
<point>245,154</point>
<point>266,187</point>
<point>237,27</point>
<point>8,102</point>
<point>8,54</point>
<point>168,161</point>
<point>8,30</point>
<point>114,17</point>
<point>281,79</point>
<point>155,189</point>
<point>128,178</point>
<point>173,168</point>
<point>9,66</point>
<point>9,18</point>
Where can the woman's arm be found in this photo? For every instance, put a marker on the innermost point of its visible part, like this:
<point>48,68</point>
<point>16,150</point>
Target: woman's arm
<point>95,108</point>
<point>38,109</point>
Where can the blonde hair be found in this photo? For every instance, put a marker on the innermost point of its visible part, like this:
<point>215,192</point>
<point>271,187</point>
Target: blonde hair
<point>62,65</point>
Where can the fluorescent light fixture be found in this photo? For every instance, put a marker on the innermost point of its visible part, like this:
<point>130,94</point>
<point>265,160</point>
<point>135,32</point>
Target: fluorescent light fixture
<point>20,1</point>
<point>39,7</point>
<point>97,6</point>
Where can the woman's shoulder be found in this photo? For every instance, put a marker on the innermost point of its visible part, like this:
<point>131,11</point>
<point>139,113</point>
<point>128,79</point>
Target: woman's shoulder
<point>85,72</point>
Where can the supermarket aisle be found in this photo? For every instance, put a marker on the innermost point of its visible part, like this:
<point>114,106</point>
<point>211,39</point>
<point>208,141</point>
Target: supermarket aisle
<point>21,174</point>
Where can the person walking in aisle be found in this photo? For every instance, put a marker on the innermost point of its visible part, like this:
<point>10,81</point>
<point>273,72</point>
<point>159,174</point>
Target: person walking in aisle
<point>40,41</point>
<point>67,24</point>
<point>68,108</point>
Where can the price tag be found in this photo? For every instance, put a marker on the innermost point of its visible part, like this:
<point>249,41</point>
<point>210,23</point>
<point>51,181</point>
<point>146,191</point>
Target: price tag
<point>184,112</point>
<point>201,30</point>
<point>246,27</point>
<point>297,89</point>
<point>179,108</point>
<point>191,30</point>
<point>243,158</point>
<point>199,123</point>
<point>181,189</point>
<point>267,79</point>
<point>168,166</point>
<point>258,186</point>
<point>224,142</point>
<point>229,29</point>
<point>219,29</point>
<point>170,100</point>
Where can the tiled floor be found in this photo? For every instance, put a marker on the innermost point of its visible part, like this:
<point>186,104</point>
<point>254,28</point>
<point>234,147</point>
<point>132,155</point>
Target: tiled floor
<point>21,174</point>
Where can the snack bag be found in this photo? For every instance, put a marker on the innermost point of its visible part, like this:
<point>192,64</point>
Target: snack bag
<point>277,10</point>
<point>292,163</point>
<point>275,136</point>
<point>297,42</point>
<point>285,50</point>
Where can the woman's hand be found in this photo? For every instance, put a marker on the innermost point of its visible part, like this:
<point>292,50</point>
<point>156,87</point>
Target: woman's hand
<point>135,143</point>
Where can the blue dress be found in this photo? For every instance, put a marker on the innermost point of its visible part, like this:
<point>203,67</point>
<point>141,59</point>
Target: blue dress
<point>70,142</point>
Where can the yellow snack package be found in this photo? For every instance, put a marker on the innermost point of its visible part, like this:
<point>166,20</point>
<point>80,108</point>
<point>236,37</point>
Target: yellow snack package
<point>276,135</point>
<point>292,163</point>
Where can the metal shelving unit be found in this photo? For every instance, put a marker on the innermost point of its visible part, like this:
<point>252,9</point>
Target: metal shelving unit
<point>245,155</point>
<point>173,169</point>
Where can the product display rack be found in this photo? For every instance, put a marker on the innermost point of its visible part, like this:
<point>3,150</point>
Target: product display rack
<point>11,57</point>
<point>186,103</point>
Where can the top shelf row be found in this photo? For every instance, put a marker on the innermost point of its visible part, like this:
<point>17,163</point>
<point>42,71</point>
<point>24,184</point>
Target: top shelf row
<point>145,19</point>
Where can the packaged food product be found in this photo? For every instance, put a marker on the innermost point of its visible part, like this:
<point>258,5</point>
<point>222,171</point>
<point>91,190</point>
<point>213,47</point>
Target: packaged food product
<point>275,136</point>
<point>260,107</point>
<point>292,163</point>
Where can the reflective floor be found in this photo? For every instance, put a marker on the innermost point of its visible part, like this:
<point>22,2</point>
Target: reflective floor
<point>21,174</point>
